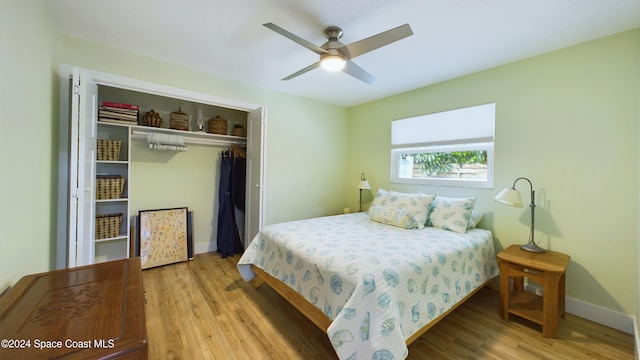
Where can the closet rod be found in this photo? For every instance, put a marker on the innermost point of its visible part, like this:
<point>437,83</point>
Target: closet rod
<point>190,137</point>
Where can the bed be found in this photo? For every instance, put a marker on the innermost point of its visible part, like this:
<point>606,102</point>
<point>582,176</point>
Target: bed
<point>372,287</point>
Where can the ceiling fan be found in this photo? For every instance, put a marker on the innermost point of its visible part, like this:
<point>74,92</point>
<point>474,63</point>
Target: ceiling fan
<point>335,56</point>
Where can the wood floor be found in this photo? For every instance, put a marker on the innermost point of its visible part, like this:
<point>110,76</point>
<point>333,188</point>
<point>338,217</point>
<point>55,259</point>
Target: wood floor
<point>203,309</point>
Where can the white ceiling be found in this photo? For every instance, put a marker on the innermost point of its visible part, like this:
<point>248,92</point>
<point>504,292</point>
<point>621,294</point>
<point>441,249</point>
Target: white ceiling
<point>451,38</point>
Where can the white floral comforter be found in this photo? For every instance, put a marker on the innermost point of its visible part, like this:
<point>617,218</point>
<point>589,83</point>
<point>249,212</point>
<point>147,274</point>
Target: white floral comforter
<point>378,283</point>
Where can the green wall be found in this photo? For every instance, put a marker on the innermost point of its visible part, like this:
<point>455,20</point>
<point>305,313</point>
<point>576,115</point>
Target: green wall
<point>568,121</point>
<point>28,145</point>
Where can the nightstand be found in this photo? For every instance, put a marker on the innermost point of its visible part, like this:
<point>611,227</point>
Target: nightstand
<point>547,269</point>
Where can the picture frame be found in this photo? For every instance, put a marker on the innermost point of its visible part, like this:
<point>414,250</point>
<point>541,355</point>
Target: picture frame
<point>163,236</point>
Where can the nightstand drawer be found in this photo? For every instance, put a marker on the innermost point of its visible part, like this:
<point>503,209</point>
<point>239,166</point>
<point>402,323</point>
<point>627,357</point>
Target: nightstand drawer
<point>535,275</point>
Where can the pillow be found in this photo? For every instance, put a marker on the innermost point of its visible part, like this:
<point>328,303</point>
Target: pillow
<point>474,220</point>
<point>401,218</point>
<point>381,198</point>
<point>451,213</point>
<point>417,204</point>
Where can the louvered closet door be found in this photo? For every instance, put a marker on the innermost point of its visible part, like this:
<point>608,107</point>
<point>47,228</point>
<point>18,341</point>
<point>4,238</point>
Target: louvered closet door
<point>84,97</point>
<point>255,189</point>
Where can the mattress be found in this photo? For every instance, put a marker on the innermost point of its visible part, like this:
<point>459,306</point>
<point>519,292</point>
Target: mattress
<point>377,283</point>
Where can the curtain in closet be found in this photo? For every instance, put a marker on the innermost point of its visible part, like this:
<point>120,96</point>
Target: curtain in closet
<point>231,201</point>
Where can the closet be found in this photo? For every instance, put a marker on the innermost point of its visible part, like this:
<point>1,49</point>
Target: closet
<point>87,89</point>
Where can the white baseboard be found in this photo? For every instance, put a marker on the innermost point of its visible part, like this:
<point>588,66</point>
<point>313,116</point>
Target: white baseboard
<point>601,315</point>
<point>200,248</point>
<point>635,326</point>
<point>595,313</point>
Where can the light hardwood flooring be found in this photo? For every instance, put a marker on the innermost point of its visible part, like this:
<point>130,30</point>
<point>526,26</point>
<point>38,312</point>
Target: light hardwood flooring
<point>202,309</point>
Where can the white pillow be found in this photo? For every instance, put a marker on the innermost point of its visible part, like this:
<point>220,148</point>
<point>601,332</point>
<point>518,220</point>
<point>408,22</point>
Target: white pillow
<point>417,204</point>
<point>474,220</point>
<point>451,213</point>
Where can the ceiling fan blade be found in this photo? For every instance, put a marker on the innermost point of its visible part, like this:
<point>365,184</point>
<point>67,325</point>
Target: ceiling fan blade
<point>300,72</point>
<point>357,72</point>
<point>376,41</point>
<point>309,45</point>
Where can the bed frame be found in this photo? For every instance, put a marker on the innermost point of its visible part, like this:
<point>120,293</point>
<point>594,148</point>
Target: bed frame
<point>320,319</point>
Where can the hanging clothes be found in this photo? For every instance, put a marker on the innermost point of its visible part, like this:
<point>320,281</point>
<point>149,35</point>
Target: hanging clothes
<point>228,237</point>
<point>239,181</point>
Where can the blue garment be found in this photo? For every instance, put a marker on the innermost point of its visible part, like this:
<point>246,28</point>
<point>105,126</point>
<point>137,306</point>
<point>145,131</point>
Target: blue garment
<point>228,239</point>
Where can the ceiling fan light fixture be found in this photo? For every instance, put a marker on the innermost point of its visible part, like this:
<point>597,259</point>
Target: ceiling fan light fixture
<point>331,62</point>
<point>335,56</point>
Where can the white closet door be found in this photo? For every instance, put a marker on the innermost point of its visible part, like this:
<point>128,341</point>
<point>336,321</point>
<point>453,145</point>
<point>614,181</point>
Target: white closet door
<point>256,141</point>
<point>82,169</point>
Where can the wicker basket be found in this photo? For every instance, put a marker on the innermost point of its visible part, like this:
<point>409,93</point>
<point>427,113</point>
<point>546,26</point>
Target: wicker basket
<point>238,130</point>
<point>218,126</point>
<point>179,120</point>
<point>108,225</point>
<point>109,187</point>
<point>109,150</point>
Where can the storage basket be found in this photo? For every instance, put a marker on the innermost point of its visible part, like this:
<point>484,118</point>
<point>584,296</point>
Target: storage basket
<point>238,130</point>
<point>109,187</point>
<point>218,126</point>
<point>108,225</point>
<point>179,120</point>
<point>153,119</point>
<point>109,150</point>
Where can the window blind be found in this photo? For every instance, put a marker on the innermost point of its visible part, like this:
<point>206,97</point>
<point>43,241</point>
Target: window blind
<point>459,126</point>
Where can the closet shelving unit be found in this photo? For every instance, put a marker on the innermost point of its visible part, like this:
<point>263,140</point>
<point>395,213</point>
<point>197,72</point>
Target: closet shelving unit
<point>124,245</point>
<point>117,247</point>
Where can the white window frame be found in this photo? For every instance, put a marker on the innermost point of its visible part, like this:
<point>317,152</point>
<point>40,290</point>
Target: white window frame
<point>463,129</point>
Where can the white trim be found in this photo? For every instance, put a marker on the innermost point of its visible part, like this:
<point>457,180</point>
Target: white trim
<point>601,315</point>
<point>147,87</point>
<point>201,248</point>
<point>595,313</point>
<point>636,336</point>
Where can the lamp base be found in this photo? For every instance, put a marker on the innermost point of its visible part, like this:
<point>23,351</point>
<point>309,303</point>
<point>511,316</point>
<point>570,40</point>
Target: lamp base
<point>531,246</point>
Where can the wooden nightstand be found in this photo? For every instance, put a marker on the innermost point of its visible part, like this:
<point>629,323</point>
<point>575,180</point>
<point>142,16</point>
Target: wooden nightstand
<point>547,269</point>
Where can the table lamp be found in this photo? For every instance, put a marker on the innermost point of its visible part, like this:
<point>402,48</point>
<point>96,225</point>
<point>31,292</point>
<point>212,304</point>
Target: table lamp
<point>363,185</point>
<point>512,197</point>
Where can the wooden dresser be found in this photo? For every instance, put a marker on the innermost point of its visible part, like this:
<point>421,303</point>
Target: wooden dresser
<point>89,312</point>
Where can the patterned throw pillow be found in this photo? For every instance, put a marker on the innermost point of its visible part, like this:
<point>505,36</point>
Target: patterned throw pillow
<point>381,198</point>
<point>451,213</point>
<point>401,218</point>
<point>416,204</point>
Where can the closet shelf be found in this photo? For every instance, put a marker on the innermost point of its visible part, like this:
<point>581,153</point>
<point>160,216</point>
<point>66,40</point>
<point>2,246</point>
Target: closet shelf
<point>190,137</point>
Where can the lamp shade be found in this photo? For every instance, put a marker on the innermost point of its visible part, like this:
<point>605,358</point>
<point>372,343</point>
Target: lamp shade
<point>364,185</point>
<point>509,196</point>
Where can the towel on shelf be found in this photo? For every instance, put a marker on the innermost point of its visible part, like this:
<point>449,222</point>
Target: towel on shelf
<point>167,142</point>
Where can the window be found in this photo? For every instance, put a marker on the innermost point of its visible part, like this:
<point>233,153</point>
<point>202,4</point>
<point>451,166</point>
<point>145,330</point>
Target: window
<point>450,148</point>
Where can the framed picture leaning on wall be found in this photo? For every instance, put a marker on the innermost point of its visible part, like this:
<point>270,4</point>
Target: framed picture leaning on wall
<point>163,236</point>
